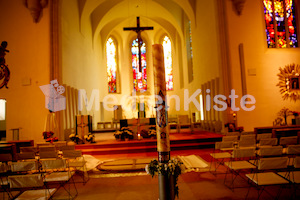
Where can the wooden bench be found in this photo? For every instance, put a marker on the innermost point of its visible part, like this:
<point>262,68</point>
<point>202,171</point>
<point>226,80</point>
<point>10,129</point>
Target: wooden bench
<point>268,129</point>
<point>286,132</point>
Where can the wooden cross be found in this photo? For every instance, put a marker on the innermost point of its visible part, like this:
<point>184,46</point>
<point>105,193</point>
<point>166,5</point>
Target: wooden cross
<point>82,125</point>
<point>138,30</point>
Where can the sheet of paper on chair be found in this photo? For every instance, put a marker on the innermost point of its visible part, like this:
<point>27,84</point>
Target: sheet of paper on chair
<point>193,161</point>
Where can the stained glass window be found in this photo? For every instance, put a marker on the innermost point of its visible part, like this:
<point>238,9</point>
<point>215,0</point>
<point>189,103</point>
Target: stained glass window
<point>190,36</point>
<point>139,77</point>
<point>111,65</point>
<point>168,63</point>
<point>280,23</point>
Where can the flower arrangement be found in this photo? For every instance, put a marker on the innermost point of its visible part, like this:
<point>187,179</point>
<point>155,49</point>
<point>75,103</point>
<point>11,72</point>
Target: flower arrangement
<point>123,133</point>
<point>90,138</point>
<point>48,136</point>
<point>75,138</point>
<point>174,167</point>
<point>284,113</point>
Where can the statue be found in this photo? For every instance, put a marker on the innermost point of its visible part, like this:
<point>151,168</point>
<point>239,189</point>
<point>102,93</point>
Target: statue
<point>4,71</point>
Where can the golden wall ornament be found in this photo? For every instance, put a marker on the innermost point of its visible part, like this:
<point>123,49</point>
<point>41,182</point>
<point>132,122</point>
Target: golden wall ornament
<point>289,80</point>
<point>35,7</point>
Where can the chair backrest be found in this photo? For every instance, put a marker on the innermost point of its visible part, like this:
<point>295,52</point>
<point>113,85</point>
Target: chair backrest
<point>263,136</point>
<point>297,162</point>
<point>288,140</point>
<point>229,138</point>
<point>43,144</point>
<point>222,145</point>
<point>183,119</point>
<point>270,151</point>
<point>3,168</point>
<point>244,152</point>
<point>247,143</point>
<point>268,142</point>
<point>5,157</point>
<point>67,147</point>
<point>247,133</point>
<point>60,143</point>
<point>293,149</point>
<point>273,163</point>
<point>47,149</point>
<point>48,154</point>
<point>28,149</point>
<point>25,181</point>
<point>23,166</point>
<point>25,156</point>
<point>233,133</point>
<point>247,137</point>
<point>53,164</point>
<point>72,153</point>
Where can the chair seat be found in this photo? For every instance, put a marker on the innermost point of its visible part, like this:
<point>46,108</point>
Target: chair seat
<point>267,178</point>
<point>221,155</point>
<point>293,177</point>
<point>36,194</point>
<point>58,176</point>
<point>238,165</point>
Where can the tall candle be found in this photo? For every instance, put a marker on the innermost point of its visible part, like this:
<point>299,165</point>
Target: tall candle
<point>162,130</point>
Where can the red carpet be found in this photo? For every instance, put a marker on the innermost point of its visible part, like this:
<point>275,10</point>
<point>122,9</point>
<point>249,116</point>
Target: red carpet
<point>179,142</point>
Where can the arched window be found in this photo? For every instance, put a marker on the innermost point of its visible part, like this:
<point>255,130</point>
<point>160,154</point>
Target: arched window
<point>168,62</point>
<point>111,65</point>
<point>280,23</point>
<point>139,76</point>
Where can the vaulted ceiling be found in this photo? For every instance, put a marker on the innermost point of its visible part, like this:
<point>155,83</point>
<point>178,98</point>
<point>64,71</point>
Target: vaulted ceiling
<point>105,16</point>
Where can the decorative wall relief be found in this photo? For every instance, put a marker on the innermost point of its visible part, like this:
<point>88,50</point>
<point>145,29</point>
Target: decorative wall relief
<point>289,80</point>
<point>35,7</point>
<point>4,71</point>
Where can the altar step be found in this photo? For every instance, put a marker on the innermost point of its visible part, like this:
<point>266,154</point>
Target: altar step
<point>148,145</point>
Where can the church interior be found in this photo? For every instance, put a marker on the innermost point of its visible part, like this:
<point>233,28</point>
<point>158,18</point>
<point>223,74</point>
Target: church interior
<point>83,73</point>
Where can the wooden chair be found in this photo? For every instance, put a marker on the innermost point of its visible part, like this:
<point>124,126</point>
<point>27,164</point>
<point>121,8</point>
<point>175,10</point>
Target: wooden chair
<point>67,147</point>
<point>268,142</point>
<point>263,136</point>
<point>33,185</point>
<point>230,138</point>
<point>239,162</point>
<point>184,121</point>
<point>28,149</point>
<point>26,156</point>
<point>59,174</point>
<point>76,160</point>
<point>291,140</point>
<point>261,179</point>
<point>221,152</point>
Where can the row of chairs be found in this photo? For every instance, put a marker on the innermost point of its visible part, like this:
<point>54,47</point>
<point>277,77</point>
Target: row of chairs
<point>260,140</point>
<point>25,175</point>
<point>248,159</point>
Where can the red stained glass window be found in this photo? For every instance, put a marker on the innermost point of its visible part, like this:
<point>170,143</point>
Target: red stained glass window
<point>280,23</point>
<point>139,77</point>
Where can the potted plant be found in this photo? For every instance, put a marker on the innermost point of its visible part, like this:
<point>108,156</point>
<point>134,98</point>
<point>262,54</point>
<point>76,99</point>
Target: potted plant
<point>124,133</point>
<point>90,138</point>
<point>284,113</point>
<point>75,138</point>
